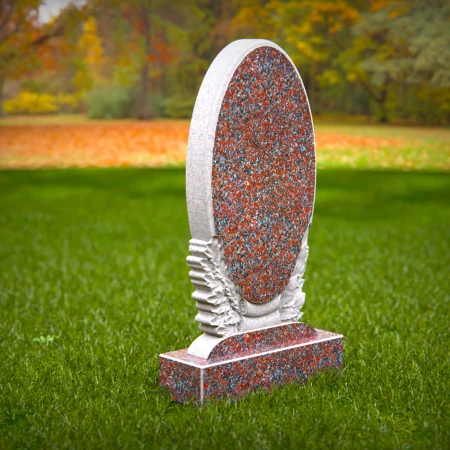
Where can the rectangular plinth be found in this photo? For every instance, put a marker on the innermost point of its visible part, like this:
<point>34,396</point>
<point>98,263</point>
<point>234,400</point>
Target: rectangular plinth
<point>192,379</point>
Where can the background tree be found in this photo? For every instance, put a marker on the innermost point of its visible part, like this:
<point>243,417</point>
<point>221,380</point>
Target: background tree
<point>25,43</point>
<point>144,26</point>
<point>384,58</point>
<point>90,53</point>
<point>398,46</point>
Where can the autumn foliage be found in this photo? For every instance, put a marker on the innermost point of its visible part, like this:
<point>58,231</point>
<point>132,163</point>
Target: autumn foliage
<point>383,59</point>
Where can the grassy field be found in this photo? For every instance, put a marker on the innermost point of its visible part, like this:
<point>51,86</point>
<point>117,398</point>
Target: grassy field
<point>74,141</point>
<point>95,258</point>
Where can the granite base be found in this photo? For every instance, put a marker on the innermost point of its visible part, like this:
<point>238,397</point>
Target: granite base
<point>249,361</point>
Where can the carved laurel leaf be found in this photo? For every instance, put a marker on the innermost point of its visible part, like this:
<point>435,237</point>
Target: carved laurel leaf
<point>222,296</point>
<point>293,298</point>
<point>208,253</point>
<point>222,266</point>
<point>216,300</point>
<point>207,263</point>
<point>211,280</point>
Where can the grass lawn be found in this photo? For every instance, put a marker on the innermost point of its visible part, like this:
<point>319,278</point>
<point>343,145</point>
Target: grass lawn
<point>96,258</point>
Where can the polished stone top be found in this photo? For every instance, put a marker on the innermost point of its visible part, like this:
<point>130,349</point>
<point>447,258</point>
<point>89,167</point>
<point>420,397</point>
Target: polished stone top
<point>263,173</point>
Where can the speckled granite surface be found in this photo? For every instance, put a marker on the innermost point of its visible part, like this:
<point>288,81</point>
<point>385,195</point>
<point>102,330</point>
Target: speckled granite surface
<point>263,174</point>
<point>264,340</point>
<point>254,360</point>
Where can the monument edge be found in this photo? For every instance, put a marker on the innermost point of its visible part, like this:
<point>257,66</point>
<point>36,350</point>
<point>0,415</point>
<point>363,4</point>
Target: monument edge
<point>263,353</point>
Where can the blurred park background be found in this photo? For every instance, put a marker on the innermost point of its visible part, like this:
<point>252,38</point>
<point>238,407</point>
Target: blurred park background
<point>113,83</point>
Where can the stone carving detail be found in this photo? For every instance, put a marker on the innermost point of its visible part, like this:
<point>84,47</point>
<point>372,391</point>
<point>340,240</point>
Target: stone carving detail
<point>293,298</point>
<point>216,295</point>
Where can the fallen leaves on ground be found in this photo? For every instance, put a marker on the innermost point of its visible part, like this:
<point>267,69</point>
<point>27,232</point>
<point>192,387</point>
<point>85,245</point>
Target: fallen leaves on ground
<point>370,152</point>
<point>163,143</point>
<point>146,144</point>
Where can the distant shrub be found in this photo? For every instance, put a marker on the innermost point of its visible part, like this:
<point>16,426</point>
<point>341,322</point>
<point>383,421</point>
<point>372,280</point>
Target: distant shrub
<point>109,102</point>
<point>155,105</point>
<point>178,106</point>
<point>67,102</point>
<point>33,103</point>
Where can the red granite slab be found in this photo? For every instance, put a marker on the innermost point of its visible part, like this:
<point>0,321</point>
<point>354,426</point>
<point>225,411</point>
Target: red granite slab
<point>263,174</point>
<point>192,379</point>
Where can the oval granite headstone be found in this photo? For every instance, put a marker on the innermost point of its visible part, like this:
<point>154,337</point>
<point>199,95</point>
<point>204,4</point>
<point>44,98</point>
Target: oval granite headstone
<point>250,183</point>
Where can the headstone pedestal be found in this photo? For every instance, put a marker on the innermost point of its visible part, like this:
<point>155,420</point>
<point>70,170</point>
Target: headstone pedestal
<point>250,182</point>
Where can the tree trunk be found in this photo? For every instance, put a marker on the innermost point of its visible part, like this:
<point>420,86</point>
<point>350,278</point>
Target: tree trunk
<point>310,89</point>
<point>383,117</point>
<point>2,86</point>
<point>144,111</point>
<point>380,98</point>
<point>404,99</point>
